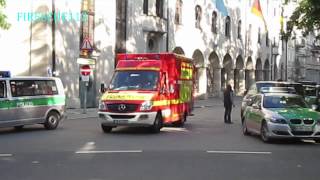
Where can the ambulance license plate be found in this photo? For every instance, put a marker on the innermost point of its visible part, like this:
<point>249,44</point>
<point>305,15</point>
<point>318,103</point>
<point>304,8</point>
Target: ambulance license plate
<point>120,121</point>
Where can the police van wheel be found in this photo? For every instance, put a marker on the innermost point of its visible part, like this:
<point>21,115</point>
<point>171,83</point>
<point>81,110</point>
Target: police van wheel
<point>106,129</point>
<point>19,128</point>
<point>157,125</point>
<point>52,121</point>
<point>264,133</point>
<point>244,127</point>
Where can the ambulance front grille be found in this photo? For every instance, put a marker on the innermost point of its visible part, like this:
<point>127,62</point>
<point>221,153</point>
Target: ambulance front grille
<point>122,108</point>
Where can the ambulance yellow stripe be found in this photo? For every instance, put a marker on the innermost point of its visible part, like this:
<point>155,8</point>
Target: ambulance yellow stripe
<point>140,68</point>
<point>126,96</point>
<point>167,102</point>
<point>161,103</point>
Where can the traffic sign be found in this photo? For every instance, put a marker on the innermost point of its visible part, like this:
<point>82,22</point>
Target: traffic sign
<point>86,45</point>
<point>86,61</point>
<point>85,70</point>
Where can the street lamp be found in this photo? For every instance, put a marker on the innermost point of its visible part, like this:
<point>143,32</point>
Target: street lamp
<point>274,54</point>
<point>53,42</point>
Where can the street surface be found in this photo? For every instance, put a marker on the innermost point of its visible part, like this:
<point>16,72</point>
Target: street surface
<point>205,149</point>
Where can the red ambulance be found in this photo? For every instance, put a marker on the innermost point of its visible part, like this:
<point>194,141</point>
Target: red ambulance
<point>148,90</point>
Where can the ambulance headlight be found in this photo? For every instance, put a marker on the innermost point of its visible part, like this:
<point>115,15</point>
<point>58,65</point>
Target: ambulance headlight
<point>146,106</point>
<point>102,106</point>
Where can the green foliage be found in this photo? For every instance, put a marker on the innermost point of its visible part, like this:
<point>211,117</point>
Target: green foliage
<point>3,18</point>
<point>305,17</point>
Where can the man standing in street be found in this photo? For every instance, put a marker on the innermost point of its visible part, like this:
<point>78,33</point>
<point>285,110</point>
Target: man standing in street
<point>228,103</point>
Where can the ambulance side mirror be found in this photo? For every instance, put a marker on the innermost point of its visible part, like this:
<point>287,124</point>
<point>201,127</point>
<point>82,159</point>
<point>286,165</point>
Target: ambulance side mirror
<point>162,90</point>
<point>102,88</point>
<point>171,88</point>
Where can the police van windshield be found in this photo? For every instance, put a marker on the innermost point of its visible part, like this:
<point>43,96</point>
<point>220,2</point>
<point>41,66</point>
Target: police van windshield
<point>135,80</point>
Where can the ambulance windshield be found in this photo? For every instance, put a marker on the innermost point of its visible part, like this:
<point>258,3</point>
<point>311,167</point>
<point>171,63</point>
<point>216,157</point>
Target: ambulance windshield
<point>135,80</point>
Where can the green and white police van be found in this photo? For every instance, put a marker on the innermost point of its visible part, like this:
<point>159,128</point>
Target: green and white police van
<point>31,100</point>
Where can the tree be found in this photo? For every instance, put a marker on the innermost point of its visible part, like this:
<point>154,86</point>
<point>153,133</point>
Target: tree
<point>3,18</point>
<point>305,17</point>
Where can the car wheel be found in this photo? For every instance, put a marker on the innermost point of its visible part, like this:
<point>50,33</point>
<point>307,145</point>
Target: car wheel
<point>181,122</point>
<point>52,121</point>
<point>106,129</point>
<point>18,128</point>
<point>264,133</point>
<point>157,125</point>
<point>244,127</point>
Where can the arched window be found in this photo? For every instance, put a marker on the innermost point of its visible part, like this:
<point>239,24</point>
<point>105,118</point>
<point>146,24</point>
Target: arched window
<point>214,22</point>
<point>259,35</point>
<point>267,39</point>
<point>145,7</point>
<point>228,27</point>
<point>239,29</point>
<point>159,8</point>
<point>178,14</point>
<point>249,34</point>
<point>198,14</point>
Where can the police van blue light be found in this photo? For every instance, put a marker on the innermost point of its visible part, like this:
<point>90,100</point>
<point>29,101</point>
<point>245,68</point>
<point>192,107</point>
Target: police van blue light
<point>5,74</point>
<point>290,90</point>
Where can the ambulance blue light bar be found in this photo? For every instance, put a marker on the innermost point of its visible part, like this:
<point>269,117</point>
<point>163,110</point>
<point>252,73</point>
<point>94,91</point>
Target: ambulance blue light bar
<point>5,74</point>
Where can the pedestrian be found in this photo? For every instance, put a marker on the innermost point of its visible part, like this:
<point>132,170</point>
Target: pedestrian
<point>228,103</point>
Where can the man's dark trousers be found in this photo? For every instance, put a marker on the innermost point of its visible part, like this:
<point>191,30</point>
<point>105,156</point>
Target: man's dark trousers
<point>227,114</point>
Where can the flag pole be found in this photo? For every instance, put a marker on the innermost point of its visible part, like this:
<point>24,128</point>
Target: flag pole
<point>246,33</point>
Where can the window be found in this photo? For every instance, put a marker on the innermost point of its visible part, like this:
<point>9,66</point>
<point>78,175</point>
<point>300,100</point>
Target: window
<point>239,29</point>
<point>3,92</point>
<point>267,39</point>
<point>198,14</point>
<point>178,14</point>
<point>214,22</point>
<point>259,35</point>
<point>145,7</point>
<point>249,34</point>
<point>87,21</point>
<point>228,27</point>
<point>33,87</point>
<point>159,8</point>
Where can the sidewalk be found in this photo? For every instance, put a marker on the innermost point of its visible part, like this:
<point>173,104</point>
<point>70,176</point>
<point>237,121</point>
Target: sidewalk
<point>93,112</point>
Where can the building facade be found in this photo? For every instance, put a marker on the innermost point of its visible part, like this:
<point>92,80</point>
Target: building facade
<point>228,41</point>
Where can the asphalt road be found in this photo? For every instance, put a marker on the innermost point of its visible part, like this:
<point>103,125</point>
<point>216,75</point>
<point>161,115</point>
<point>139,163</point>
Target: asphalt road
<point>205,149</point>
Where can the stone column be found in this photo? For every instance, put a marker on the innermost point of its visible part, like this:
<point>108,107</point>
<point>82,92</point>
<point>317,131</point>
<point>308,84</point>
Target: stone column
<point>241,81</point>
<point>217,82</point>
<point>251,77</point>
<point>202,82</point>
<point>230,77</point>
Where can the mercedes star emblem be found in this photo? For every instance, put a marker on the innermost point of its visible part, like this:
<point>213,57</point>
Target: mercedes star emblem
<point>121,107</point>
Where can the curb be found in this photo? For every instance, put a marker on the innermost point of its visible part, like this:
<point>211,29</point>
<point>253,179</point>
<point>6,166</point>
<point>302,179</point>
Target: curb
<point>204,106</point>
<point>74,118</point>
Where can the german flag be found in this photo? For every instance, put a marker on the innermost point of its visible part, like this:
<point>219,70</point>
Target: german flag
<point>256,10</point>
